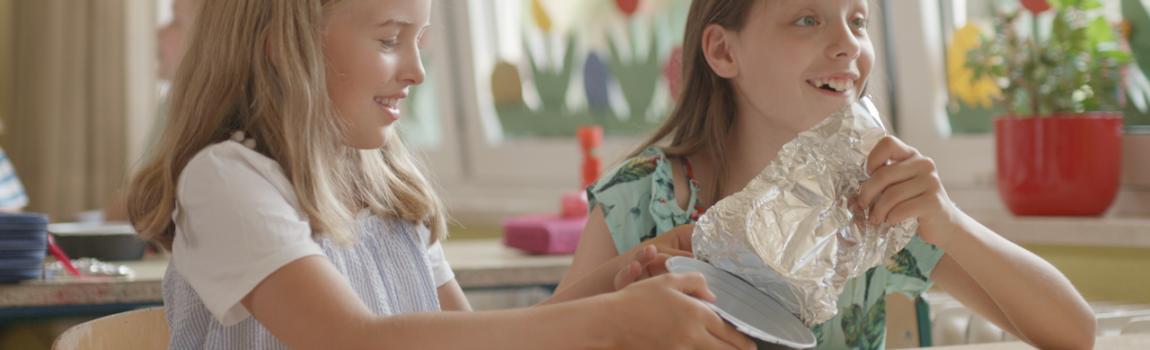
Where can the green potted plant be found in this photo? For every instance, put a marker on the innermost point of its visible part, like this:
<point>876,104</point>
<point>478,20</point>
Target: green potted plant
<point>1059,144</point>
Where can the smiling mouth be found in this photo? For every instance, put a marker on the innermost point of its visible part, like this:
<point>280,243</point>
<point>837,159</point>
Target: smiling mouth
<point>387,102</point>
<point>837,86</point>
<point>389,106</point>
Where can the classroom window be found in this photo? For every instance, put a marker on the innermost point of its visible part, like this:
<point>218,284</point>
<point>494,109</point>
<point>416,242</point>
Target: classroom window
<point>529,72</point>
<point>552,66</point>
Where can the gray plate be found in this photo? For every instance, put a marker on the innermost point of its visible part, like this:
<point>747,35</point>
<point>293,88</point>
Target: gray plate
<point>750,310</point>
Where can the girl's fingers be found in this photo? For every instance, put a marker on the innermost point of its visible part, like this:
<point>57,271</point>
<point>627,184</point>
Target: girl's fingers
<point>683,237</point>
<point>673,252</point>
<point>726,335</point>
<point>897,194</point>
<point>913,208</point>
<point>657,266</point>
<point>646,253</point>
<point>884,177</point>
<point>888,149</point>
<point>628,275</point>
<point>692,284</point>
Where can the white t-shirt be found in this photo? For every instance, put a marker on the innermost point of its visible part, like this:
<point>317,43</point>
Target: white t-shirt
<point>238,220</point>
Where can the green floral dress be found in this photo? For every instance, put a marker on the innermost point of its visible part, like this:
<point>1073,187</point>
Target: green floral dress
<point>638,201</point>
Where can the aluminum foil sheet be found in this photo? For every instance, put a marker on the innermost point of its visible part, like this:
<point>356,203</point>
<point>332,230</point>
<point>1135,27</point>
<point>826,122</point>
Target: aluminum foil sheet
<point>791,232</point>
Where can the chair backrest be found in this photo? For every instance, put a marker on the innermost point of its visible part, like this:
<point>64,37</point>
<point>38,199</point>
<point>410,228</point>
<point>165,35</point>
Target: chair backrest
<point>136,329</point>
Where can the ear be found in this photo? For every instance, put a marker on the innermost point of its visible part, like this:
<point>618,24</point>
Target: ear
<point>717,44</point>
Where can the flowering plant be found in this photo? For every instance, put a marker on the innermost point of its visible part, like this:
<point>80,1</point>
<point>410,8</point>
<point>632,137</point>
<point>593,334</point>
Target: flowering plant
<point>1072,63</point>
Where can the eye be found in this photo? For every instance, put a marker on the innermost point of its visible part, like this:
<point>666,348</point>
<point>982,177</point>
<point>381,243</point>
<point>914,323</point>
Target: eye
<point>807,21</point>
<point>389,44</point>
<point>860,22</point>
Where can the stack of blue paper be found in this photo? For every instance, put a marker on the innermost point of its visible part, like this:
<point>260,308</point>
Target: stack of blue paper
<point>23,242</point>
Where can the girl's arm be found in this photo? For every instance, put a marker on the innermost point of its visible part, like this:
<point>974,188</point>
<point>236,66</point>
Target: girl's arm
<point>307,304</point>
<point>1012,287</point>
<point>597,268</point>
<point>451,297</point>
<point>595,263</point>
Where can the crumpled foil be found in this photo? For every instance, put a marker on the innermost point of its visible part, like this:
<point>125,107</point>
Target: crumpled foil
<point>792,232</point>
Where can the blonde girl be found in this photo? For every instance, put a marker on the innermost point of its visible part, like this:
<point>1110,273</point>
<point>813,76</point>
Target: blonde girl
<point>296,218</point>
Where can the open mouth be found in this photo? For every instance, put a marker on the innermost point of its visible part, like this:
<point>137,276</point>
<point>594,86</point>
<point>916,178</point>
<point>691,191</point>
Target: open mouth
<point>837,86</point>
<point>388,102</point>
<point>389,105</point>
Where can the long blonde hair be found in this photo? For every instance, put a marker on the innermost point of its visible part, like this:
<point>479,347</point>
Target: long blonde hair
<point>706,108</point>
<point>258,66</point>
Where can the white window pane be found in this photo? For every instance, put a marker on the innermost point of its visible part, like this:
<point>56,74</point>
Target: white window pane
<point>545,67</point>
<point>421,125</point>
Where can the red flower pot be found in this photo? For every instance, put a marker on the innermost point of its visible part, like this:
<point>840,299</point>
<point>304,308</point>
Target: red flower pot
<point>1036,6</point>
<point>1059,165</point>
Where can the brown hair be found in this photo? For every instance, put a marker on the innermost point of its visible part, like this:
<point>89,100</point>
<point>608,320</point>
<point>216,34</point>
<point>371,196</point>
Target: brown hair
<point>706,108</point>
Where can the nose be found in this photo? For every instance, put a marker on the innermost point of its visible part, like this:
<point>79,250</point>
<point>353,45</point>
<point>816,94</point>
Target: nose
<point>411,71</point>
<point>844,43</point>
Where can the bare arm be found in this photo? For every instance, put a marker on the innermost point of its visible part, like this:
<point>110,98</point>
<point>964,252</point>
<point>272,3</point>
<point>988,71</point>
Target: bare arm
<point>595,264</point>
<point>597,267</point>
<point>1004,282</point>
<point>308,305</point>
<point>1015,289</point>
<point>325,313</point>
<point>451,297</point>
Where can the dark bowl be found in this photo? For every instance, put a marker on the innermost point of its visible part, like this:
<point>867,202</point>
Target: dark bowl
<point>103,241</point>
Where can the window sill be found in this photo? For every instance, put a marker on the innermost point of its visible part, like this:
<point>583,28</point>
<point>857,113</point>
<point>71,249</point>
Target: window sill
<point>1124,232</point>
<point>1127,224</point>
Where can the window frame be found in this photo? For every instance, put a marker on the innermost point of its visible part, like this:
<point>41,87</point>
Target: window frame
<point>485,181</point>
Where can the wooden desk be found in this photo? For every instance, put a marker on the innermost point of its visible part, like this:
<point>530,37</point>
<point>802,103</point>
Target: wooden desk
<point>478,264</point>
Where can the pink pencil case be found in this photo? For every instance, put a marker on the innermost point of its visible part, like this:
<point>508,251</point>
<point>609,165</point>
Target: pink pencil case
<point>543,233</point>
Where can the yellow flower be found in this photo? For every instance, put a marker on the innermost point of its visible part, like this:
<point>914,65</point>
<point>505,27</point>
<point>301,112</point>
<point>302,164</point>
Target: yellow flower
<point>962,84</point>
<point>542,20</point>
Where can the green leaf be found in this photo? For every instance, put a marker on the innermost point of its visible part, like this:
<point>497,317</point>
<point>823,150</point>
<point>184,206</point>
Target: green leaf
<point>637,75</point>
<point>904,263</point>
<point>820,337</point>
<point>1090,4</point>
<point>634,169</point>
<point>1117,55</point>
<point>569,57</point>
<point>852,325</point>
<point>874,326</point>
<point>552,79</point>
<point>1075,4</point>
<point>1061,26</point>
<point>1099,31</point>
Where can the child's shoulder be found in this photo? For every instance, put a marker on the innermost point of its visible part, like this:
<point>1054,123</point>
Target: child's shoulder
<point>228,154</point>
<point>637,198</point>
<point>231,162</point>
<point>635,173</point>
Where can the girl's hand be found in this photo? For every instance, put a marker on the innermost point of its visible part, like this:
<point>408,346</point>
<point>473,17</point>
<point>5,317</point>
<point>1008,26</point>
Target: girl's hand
<point>676,242</point>
<point>904,184</point>
<point>663,313</point>
<point>649,258</point>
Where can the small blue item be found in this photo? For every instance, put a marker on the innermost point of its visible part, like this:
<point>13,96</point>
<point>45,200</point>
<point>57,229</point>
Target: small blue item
<point>23,244</point>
